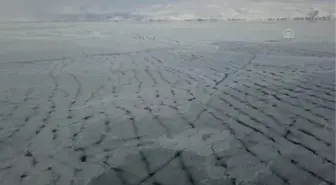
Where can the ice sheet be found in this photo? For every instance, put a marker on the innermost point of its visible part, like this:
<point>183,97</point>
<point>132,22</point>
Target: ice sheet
<point>173,103</point>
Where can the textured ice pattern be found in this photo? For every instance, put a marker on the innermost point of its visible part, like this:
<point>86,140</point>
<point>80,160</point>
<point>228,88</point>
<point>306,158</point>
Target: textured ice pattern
<point>167,104</point>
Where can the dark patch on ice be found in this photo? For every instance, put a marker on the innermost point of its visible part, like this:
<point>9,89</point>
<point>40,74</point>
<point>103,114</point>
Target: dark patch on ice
<point>28,154</point>
<point>191,99</point>
<point>22,176</point>
<point>83,158</point>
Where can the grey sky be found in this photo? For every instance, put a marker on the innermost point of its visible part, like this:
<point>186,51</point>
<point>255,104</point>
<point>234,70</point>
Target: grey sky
<point>31,8</point>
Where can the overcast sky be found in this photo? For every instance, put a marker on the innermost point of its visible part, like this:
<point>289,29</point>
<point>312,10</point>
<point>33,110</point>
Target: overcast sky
<point>33,8</point>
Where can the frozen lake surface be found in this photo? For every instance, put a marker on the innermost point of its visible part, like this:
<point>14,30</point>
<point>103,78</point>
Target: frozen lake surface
<point>167,104</point>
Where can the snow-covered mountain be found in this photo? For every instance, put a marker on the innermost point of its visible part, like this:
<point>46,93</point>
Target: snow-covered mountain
<point>238,9</point>
<point>191,10</point>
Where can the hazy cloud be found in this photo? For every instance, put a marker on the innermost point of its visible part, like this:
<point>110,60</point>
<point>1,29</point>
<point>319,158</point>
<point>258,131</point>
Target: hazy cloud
<point>30,9</point>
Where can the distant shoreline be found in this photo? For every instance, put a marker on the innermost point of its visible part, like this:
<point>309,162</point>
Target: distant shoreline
<point>318,19</point>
